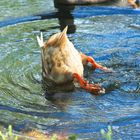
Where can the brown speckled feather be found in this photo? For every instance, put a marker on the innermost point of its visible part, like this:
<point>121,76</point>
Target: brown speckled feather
<point>60,59</point>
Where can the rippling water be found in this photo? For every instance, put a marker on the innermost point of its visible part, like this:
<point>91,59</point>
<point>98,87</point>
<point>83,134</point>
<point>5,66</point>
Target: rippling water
<point>111,40</point>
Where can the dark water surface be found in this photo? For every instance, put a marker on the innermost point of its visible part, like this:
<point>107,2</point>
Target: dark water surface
<point>107,34</point>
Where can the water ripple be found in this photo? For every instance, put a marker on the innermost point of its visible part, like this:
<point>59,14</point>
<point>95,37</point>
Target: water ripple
<point>110,39</point>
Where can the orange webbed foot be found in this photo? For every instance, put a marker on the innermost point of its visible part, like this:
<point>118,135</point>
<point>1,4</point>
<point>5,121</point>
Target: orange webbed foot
<point>96,65</point>
<point>88,59</point>
<point>92,88</point>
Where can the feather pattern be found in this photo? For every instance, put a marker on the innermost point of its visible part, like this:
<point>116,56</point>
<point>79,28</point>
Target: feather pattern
<point>40,40</point>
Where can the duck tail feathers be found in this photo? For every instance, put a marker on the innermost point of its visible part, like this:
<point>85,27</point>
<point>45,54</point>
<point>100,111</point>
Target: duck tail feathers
<point>40,40</point>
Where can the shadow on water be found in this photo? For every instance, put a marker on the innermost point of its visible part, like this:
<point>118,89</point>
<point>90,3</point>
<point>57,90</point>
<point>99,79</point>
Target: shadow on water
<point>67,13</point>
<point>60,99</point>
<point>59,95</point>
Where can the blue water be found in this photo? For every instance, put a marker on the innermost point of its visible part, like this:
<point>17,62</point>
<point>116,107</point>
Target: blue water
<point>104,32</point>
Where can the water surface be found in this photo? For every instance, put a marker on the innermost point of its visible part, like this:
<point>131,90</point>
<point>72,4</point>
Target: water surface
<point>108,36</point>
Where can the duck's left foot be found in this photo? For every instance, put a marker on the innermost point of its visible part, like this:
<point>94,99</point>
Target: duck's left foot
<point>96,89</point>
<point>92,88</point>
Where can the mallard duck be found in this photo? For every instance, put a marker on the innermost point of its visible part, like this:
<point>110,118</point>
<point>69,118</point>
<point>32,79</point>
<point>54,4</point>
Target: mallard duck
<point>62,63</point>
<point>79,1</point>
<point>134,3</point>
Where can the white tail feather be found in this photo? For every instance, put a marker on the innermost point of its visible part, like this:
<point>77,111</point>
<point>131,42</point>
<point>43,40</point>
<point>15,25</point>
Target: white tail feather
<point>40,40</point>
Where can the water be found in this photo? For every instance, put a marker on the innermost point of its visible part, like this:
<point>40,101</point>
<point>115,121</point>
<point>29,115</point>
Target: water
<point>107,35</point>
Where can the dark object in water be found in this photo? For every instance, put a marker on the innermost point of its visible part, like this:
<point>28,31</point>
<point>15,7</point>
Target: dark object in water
<point>80,1</point>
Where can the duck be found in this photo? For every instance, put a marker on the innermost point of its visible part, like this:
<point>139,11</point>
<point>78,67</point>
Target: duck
<point>69,2</point>
<point>62,63</point>
<point>134,3</point>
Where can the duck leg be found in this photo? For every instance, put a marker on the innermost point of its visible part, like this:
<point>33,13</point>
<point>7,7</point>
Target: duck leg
<point>92,88</point>
<point>133,3</point>
<point>86,59</point>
